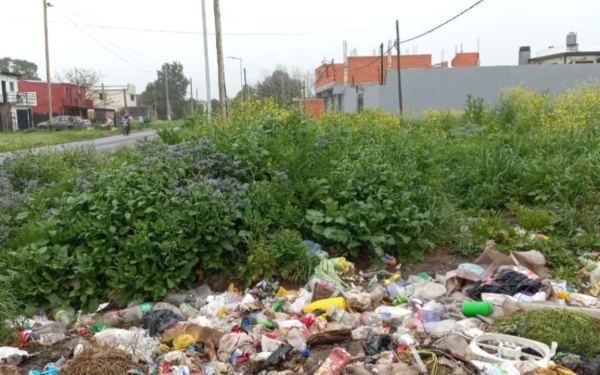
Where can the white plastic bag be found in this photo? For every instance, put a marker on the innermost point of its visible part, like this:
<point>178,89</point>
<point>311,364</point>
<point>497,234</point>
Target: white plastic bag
<point>269,345</point>
<point>7,351</point>
<point>300,302</point>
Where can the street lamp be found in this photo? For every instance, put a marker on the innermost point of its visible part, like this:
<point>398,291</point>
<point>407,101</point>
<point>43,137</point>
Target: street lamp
<point>48,80</point>
<point>241,78</point>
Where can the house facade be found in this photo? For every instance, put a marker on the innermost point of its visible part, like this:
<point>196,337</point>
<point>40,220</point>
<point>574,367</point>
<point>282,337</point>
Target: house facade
<point>16,103</point>
<point>67,99</point>
<point>115,97</point>
<point>570,53</point>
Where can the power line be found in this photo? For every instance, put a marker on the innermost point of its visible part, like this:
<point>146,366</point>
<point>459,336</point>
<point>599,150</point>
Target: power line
<point>97,41</point>
<point>109,41</point>
<point>426,32</point>
<point>442,24</point>
<point>212,33</point>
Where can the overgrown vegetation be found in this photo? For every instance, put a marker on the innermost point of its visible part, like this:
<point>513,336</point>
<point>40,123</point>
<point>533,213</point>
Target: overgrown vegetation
<point>237,197</point>
<point>571,330</point>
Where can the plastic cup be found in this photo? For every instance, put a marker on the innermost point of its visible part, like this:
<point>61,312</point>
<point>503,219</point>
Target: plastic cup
<point>470,309</point>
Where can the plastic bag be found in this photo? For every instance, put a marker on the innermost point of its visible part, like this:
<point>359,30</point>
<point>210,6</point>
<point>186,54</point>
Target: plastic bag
<point>378,344</point>
<point>300,302</point>
<point>269,345</point>
<point>313,248</point>
<point>158,321</point>
<point>507,282</point>
<point>7,351</point>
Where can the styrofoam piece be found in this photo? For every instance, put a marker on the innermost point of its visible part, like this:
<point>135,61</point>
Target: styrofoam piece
<point>496,348</point>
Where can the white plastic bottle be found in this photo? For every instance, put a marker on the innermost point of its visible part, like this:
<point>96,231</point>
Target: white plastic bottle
<point>63,316</point>
<point>134,314</point>
<point>387,313</point>
<point>296,339</point>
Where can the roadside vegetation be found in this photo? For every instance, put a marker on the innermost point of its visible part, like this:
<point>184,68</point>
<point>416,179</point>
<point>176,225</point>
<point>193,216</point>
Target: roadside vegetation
<point>237,197</point>
<point>21,140</point>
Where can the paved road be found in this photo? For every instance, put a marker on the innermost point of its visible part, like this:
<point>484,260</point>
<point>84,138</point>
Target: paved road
<point>100,144</point>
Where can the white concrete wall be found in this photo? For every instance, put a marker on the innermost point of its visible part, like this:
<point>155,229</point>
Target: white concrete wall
<point>113,98</point>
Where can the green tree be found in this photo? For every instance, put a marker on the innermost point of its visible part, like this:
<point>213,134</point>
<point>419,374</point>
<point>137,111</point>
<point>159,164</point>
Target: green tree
<point>279,85</point>
<point>87,78</point>
<point>27,69</point>
<point>178,88</point>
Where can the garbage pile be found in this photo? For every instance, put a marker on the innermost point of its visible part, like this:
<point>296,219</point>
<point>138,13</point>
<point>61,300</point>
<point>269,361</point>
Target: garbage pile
<point>342,322</point>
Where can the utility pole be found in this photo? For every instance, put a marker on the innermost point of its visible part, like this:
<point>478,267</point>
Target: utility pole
<point>381,79</point>
<point>167,91</point>
<point>125,101</point>
<point>206,67</point>
<point>241,79</point>
<point>48,80</point>
<point>192,93</point>
<point>246,85</point>
<point>221,67</point>
<point>399,77</point>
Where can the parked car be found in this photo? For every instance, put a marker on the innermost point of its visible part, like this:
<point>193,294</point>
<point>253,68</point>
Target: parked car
<point>62,123</point>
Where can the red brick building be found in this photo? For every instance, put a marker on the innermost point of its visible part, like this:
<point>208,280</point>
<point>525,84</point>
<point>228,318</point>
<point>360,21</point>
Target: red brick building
<point>67,99</point>
<point>348,86</point>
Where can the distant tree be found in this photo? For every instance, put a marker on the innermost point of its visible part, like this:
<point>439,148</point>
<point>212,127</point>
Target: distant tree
<point>87,78</point>
<point>155,92</point>
<point>249,91</point>
<point>215,105</point>
<point>279,85</point>
<point>27,69</point>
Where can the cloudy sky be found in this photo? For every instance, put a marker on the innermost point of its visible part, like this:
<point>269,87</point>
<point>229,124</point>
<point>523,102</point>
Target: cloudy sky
<point>128,40</point>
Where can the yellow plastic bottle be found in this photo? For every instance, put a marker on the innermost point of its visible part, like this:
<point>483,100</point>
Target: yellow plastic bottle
<point>324,304</point>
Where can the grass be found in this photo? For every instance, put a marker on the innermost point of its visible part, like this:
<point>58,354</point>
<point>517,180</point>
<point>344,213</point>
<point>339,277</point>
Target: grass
<point>571,330</point>
<point>21,140</point>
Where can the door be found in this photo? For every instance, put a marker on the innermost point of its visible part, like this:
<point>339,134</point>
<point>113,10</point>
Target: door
<point>23,119</point>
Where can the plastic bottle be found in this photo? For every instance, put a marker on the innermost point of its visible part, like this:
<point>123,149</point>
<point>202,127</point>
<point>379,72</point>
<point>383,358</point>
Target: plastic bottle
<point>63,316</point>
<point>188,311</point>
<point>387,313</point>
<point>89,320</point>
<point>400,288</point>
<point>54,327</point>
<point>370,319</point>
<point>134,314</point>
<point>296,339</point>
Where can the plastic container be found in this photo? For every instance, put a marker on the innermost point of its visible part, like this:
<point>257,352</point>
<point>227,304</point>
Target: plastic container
<point>324,304</point>
<point>341,316</point>
<point>89,320</point>
<point>134,314</point>
<point>188,311</point>
<point>54,327</point>
<point>470,309</point>
<point>400,288</point>
<point>52,338</point>
<point>335,363</point>
<point>370,319</point>
<point>387,313</point>
<point>296,339</point>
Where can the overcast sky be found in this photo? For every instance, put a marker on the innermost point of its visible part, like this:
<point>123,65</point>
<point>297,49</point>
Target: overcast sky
<point>299,33</point>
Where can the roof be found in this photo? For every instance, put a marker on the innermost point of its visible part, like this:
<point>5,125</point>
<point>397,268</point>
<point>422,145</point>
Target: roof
<point>10,74</point>
<point>565,54</point>
<point>465,59</point>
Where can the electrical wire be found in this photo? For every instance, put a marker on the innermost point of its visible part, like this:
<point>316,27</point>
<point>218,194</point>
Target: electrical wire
<point>425,33</point>
<point>110,41</point>
<point>100,43</point>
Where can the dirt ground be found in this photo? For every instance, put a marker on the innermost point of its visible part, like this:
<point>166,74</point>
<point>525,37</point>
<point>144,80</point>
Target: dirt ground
<point>41,356</point>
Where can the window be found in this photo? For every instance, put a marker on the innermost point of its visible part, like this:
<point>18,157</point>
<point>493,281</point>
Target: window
<point>101,96</point>
<point>598,61</point>
<point>132,98</point>
<point>12,86</point>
